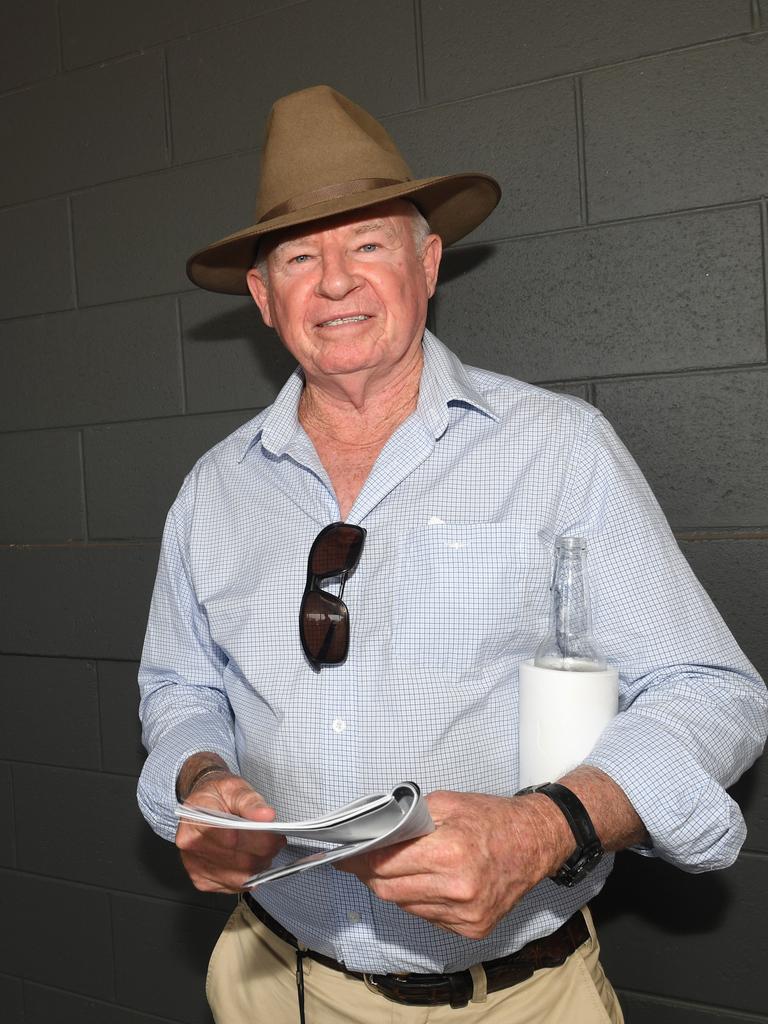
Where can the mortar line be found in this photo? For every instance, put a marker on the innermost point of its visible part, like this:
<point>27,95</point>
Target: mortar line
<point>182,360</point>
<point>113,945</point>
<point>112,890</point>
<point>72,256</point>
<point>86,998</point>
<point>729,534</point>
<point>420,72</point>
<point>690,211</point>
<point>141,50</point>
<point>250,411</point>
<point>13,817</point>
<point>59,37</point>
<point>79,545</point>
<point>69,657</point>
<point>98,710</point>
<point>581,151</point>
<point>764,234</point>
<point>564,75</point>
<point>652,55</point>
<point>83,489</point>
<point>741,1015</point>
<point>167,106</point>
<point>240,154</point>
<point>56,766</point>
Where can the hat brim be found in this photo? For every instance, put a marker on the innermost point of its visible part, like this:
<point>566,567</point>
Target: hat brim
<point>452,204</point>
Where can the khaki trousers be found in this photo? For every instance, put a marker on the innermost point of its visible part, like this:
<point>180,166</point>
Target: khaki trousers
<point>252,979</point>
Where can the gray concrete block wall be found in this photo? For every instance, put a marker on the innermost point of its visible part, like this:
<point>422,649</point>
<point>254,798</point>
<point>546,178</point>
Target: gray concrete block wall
<point>626,264</point>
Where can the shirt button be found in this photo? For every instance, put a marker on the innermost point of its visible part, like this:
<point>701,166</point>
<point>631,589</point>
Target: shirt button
<point>338,725</point>
<point>353,917</point>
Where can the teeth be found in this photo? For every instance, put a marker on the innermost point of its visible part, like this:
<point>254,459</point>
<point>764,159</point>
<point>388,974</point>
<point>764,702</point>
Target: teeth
<point>344,320</point>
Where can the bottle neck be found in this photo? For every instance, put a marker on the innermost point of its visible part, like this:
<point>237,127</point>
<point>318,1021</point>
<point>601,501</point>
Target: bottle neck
<point>570,595</point>
<point>569,645</point>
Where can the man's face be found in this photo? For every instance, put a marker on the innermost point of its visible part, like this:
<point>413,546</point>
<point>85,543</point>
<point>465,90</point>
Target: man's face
<point>349,294</point>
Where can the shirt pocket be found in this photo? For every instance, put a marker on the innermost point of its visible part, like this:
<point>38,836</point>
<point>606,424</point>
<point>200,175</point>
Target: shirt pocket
<point>469,593</point>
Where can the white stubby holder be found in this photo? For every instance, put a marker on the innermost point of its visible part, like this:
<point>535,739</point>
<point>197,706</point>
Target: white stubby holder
<point>562,715</point>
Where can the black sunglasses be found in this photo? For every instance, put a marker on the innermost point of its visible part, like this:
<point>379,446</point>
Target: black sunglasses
<point>324,618</point>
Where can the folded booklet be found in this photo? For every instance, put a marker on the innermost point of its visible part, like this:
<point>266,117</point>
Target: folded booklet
<point>367,823</point>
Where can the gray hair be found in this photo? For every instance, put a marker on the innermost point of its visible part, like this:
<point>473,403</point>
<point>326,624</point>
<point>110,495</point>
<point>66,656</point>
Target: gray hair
<point>419,227</point>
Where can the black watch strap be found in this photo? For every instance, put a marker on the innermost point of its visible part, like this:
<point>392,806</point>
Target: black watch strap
<point>589,849</point>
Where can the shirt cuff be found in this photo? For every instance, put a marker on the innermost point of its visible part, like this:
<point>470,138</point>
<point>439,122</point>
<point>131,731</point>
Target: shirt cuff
<point>157,784</point>
<point>691,820</point>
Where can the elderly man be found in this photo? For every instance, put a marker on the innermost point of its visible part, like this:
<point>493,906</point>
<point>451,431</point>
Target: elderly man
<point>435,492</point>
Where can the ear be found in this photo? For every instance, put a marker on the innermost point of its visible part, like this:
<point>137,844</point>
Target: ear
<point>430,258</point>
<point>259,290</point>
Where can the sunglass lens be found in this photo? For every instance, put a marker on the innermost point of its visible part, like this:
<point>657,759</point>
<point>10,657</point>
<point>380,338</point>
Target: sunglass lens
<point>337,549</point>
<point>324,627</point>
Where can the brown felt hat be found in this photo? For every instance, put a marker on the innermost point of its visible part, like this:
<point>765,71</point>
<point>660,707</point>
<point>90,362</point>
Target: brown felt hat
<point>324,155</point>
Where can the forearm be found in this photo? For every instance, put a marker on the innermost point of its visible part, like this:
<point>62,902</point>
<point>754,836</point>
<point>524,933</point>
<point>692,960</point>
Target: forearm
<point>614,818</point>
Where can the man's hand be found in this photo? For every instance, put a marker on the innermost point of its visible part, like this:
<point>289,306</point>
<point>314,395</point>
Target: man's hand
<point>220,859</point>
<point>486,852</point>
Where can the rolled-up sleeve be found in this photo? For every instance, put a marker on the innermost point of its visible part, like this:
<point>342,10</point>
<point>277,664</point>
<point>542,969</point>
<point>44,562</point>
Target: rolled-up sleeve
<point>184,708</point>
<point>693,710</point>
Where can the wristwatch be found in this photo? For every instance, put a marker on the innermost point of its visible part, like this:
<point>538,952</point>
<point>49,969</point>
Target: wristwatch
<point>589,850</point>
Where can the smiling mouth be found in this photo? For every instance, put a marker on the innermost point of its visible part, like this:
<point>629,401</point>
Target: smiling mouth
<point>339,320</point>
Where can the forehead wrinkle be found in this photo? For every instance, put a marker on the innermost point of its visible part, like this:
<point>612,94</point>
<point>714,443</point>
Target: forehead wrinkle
<point>373,225</point>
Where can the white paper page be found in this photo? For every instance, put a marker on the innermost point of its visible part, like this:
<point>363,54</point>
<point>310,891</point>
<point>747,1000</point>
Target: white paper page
<point>365,818</point>
<point>337,826</point>
<point>413,820</point>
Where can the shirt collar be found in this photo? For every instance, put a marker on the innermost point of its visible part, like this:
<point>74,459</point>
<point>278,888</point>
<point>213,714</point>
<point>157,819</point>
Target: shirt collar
<point>279,425</point>
<point>444,382</point>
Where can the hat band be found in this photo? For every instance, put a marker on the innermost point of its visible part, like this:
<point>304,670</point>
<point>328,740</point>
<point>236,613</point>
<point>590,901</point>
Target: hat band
<point>322,195</point>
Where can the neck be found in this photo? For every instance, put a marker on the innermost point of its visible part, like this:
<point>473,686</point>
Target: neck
<point>357,414</point>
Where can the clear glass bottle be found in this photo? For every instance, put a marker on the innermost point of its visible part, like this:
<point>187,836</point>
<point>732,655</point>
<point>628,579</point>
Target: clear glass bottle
<point>569,645</point>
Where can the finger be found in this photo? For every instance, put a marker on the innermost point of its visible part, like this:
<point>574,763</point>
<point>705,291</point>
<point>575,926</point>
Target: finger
<point>190,836</point>
<point>219,843</point>
<point>436,913</point>
<point>259,844</point>
<point>214,876</point>
<point>446,918</point>
<point>241,864</point>
<point>212,881</point>
<point>426,889</point>
<point>413,857</point>
<point>247,803</point>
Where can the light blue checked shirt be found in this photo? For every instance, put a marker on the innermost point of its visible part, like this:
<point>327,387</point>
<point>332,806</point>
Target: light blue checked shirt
<point>451,593</point>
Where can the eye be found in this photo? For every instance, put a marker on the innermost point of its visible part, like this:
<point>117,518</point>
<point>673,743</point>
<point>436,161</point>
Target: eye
<point>369,247</point>
<point>301,258</point>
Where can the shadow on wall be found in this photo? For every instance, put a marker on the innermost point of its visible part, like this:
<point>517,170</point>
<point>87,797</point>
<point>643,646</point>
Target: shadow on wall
<point>271,363</point>
<point>669,900</point>
<point>161,867</point>
<point>457,262</point>
<point>664,900</point>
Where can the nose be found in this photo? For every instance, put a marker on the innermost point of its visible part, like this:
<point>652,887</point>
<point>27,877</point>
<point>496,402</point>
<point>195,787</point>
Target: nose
<point>336,277</point>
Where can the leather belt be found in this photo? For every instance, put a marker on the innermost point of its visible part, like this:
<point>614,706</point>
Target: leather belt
<point>454,988</point>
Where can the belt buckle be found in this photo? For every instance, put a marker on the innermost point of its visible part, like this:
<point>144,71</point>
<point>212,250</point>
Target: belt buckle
<point>371,984</point>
